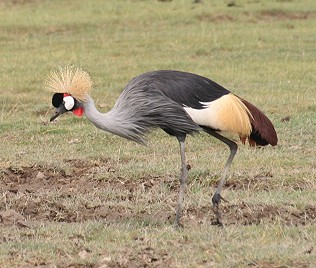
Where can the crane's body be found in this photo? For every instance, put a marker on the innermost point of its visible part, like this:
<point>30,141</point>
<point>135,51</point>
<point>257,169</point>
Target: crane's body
<point>180,103</point>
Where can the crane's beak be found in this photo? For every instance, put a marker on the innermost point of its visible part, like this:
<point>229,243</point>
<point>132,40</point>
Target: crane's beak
<point>60,110</point>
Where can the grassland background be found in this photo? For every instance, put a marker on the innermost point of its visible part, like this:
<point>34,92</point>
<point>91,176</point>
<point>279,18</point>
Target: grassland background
<point>263,51</point>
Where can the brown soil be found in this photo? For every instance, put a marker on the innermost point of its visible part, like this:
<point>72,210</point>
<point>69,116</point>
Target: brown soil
<point>261,16</point>
<point>285,15</point>
<point>32,194</point>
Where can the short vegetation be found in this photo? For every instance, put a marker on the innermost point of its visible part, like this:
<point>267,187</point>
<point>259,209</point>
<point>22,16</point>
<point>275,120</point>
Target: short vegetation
<point>74,196</point>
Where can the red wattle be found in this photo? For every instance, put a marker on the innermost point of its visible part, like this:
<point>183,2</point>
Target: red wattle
<point>78,112</point>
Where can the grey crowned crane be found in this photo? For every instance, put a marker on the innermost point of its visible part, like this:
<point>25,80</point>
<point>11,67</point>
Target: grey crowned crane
<point>178,102</point>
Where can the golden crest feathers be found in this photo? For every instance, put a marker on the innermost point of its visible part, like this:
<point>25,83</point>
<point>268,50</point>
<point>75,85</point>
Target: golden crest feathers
<point>71,80</point>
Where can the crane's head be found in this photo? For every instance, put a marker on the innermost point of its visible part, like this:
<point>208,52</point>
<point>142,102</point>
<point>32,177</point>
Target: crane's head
<point>71,86</point>
<point>63,103</point>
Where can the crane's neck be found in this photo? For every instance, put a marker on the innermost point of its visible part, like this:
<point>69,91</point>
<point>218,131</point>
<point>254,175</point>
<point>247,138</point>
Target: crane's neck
<point>113,122</point>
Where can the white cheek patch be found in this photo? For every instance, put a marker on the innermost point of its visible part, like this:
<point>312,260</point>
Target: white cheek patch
<point>69,102</point>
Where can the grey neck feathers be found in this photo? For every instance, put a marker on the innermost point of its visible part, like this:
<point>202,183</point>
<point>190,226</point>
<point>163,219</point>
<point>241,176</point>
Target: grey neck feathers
<point>114,121</point>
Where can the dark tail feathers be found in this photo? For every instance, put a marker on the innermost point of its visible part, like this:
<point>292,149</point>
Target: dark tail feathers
<point>263,132</point>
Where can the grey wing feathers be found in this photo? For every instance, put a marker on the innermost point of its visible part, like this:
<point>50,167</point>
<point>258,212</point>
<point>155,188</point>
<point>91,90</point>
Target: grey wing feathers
<point>144,106</point>
<point>185,88</point>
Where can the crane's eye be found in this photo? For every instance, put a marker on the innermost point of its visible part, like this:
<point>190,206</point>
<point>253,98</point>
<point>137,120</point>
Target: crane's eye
<point>69,102</point>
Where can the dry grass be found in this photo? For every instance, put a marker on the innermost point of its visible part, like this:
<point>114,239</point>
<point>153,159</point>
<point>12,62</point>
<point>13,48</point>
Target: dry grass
<point>74,196</point>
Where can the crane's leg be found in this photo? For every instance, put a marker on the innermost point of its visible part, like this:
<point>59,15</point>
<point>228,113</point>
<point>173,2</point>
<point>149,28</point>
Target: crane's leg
<point>183,180</point>
<point>217,196</point>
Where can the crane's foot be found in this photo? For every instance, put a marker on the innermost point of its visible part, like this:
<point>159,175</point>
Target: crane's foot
<point>218,216</point>
<point>216,200</point>
<point>177,225</point>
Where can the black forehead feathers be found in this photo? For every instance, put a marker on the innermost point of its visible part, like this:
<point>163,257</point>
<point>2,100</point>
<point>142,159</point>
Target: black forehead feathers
<point>57,99</point>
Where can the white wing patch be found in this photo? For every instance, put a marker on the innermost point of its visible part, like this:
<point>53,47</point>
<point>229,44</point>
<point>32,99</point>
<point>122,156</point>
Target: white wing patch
<point>227,113</point>
<point>206,116</point>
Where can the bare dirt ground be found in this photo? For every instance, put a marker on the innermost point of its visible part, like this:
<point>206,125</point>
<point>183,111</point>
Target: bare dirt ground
<point>31,196</point>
